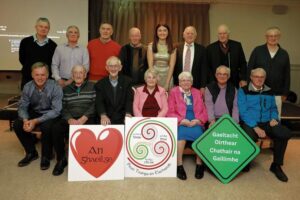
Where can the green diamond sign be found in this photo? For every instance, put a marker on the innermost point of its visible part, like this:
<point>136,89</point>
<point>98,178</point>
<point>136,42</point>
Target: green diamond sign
<point>225,148</point>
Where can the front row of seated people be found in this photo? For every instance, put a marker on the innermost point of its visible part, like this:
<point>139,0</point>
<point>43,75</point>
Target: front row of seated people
<point>44,104</point>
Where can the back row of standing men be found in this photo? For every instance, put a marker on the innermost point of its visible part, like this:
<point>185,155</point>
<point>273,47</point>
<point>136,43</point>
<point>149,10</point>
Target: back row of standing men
<point>167,59</point>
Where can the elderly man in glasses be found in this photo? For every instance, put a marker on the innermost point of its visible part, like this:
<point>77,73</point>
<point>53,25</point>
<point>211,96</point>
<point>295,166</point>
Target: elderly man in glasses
<point>259,114</point>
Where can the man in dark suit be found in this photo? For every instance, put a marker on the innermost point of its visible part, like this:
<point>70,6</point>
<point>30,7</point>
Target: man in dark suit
<point>191,57</point>
<point>114,95</point>
<point>229,53</point>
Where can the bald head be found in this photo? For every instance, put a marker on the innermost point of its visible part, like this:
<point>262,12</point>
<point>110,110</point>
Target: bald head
<point>135,36</point>
<point>223,33</point>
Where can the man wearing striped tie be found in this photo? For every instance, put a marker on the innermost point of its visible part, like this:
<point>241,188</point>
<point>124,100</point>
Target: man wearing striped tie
<point>191,57</point>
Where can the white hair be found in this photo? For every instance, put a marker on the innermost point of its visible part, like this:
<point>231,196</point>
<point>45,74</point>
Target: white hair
<point>187,75</point>
<point>227,69</point>
<point>258,70</point>
<point>113,60</point>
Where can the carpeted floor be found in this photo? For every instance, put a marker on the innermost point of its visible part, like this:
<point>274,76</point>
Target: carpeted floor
<point>30,183</point>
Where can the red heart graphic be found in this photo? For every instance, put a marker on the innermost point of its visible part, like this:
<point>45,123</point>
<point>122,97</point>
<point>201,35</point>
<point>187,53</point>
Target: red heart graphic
<point>96,155</point>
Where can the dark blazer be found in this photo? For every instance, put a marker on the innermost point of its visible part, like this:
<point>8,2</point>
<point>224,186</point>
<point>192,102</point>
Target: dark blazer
<point>126,57</point>
<point>105,104</point>
<point>238,64</point>
<point>199,68</point>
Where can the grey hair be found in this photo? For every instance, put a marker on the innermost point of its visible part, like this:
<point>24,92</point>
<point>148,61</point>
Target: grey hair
<point>134,29</point>
<point>151,71</point>
<point>273,28</point>
<point>192,27</point>
<point>227,69</point>
<point>43,19</point>
<point>225,27</point>
<point>73,26</point>
<point>79,66</point>
<point>258,70</point>
<point>185,75</point>
<point>113,60</point>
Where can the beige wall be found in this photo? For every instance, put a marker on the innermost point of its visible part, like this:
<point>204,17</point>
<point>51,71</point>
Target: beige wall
<point>20,15</point>
<point>247,23</point>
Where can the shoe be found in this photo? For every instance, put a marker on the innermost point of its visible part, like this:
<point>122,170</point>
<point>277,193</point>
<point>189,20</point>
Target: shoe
<point>199,173</point>
<point>59,167</point>
<point>45,163</point>
<point>246,168</point>
<point>28,158</point>
<point>276,169</point>
<point>181,173</point>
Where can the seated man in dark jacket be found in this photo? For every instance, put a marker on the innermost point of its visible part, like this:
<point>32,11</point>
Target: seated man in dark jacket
<point>114,94</point>
<point>259,114</point>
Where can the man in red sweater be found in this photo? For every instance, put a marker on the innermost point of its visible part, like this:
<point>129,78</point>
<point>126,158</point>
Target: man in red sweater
<point>100,49</point>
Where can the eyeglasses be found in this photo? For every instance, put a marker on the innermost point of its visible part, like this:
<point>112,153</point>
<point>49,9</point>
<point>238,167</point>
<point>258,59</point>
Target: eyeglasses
<point>113,66</point>
<point>273,36</point>
<point>222,74</point>
<point>260,77</point>
<point>185,80</point>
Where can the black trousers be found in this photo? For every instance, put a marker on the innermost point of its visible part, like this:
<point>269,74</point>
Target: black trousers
<point>60,132</point>
<point>279,134</point>
<point>28,139</point>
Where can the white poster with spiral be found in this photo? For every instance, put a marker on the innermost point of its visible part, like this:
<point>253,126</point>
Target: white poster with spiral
<point>151,147</point>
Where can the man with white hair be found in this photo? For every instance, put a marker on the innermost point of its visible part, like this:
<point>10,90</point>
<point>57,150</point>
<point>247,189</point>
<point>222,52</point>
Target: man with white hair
<point>67,55</point>
<point>275,60</point>
<point>78,108</point>
<point>259,115</point>
<point>191,57</point>
<point>229,53</point>
<point>114,94</point>
<point>133,57</point>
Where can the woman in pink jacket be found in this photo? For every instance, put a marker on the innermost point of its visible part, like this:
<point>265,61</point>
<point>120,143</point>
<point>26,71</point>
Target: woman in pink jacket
<point>186,104</point>
<point>150,100</point>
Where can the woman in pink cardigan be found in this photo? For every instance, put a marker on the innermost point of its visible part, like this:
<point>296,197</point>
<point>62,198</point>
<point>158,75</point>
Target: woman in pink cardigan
<point>186,104</point>
<point>150,100</point>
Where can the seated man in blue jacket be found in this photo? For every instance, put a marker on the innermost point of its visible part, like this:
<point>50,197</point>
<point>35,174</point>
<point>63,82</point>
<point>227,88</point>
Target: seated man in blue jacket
<point>259,115</point>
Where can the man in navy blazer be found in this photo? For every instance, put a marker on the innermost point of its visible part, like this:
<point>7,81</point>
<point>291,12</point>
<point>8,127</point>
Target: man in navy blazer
<point>197,65</point>
<point>229,53</point>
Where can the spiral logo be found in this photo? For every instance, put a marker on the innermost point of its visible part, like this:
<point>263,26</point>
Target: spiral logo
<point>149,131</point>
<point>140,151</point>
<point>161,149</point>
<point>150,144</point>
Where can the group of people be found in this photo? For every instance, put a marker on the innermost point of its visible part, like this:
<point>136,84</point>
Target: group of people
<point>104,83</point>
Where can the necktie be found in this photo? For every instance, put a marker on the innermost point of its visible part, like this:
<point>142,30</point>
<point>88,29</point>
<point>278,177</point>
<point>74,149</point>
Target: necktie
<point>187,61</point>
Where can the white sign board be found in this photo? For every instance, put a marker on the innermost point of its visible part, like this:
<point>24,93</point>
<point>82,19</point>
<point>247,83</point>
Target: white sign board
<point>96,152</point>
<point>151,147</point>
